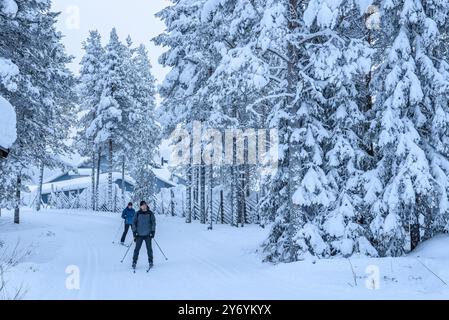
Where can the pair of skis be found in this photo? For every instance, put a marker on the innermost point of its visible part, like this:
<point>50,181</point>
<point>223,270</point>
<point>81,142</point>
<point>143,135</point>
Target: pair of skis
<point>148,269</point>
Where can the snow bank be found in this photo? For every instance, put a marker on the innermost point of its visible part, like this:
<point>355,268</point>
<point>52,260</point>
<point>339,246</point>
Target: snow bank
<point>435,248</point>
<point>8,134</point>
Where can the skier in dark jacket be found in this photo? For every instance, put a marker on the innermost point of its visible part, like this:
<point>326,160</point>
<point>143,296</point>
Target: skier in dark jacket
<point>144,229</point>
<point>127,215</point>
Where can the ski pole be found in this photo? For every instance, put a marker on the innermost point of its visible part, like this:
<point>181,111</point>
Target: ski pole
<point>118,230</point>
<point>160,249</point>
<point>129,247</point>
<point>428,269</point>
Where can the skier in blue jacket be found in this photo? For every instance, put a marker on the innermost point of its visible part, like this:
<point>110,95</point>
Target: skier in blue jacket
<point>127,215</point>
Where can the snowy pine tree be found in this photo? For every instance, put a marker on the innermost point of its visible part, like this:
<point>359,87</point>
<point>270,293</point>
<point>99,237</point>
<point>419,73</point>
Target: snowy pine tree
<point>43,98</point>
<point>144,132</point>
<point>90,93</point>
<point>361,115</point>
<point>192,60</point>
<point>407,189</point>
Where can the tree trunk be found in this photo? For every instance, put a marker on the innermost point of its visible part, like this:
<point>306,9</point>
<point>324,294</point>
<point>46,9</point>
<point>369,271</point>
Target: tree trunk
<point>290,164</point>
<point>234,197</point>
<point>235,186</point>
<point>114,202</point>
<point>211,189</point>
<point>39,187</point>
<point>110,161</point>
<point>17,199</point>
<point>203,194</point>
<point>428,221</point>
<point>189,185</point>
<point>241,195</point>
<point>192,169</point>
<point>172,203</point>
<point>258,207</point>
<point>222,207</point>
<point>93,181</point>
<point>97,182</point>
<point>415,236</point>
<point>196,192</point>
<point>247,190</point>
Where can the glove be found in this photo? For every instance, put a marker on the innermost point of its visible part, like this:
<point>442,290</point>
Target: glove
<point>152,235</point>
<point>135,236</point>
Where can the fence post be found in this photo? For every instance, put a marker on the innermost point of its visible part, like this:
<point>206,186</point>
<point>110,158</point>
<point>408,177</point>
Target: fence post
<point>172,202</point>
<point>114,209</point>
<point>183,205</point>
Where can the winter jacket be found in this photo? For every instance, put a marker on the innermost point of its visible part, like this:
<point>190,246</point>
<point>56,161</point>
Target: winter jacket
<point>128,214</point>
<point>144,223</point>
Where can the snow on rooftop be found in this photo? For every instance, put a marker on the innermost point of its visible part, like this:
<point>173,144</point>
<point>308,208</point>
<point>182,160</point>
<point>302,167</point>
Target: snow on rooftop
<point>80,183</point>
<point>164,174</point>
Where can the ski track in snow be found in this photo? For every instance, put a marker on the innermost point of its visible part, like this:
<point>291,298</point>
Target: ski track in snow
<point>218,264</point>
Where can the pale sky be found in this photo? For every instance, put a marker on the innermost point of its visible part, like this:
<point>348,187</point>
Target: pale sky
<point>131,17</point>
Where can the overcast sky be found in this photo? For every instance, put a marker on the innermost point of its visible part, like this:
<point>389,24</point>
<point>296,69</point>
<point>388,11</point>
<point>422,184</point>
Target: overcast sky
<point>132,17</point>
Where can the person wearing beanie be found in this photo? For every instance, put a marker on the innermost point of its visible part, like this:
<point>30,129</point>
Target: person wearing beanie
<point>127,215</point>
<point>144,229</point>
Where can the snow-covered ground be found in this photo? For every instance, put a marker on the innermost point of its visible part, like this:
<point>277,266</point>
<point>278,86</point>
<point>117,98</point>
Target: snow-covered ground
<point>219,264</point>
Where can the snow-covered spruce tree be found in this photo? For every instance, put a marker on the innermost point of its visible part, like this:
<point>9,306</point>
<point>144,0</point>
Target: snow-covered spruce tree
<point>139,104</point>
<point>43,99</point>
<point>407,189</point>
<point>275,203</point>
<point>58,98</point>
<point>144,132</point>
<point>235,84</point>
<point>320,147</point>
<point>90,92</point>
<point>192,59</point>
<point>115,101</point>
<point>299,114</point>
<point>118,109</point>
<point>349,58</point>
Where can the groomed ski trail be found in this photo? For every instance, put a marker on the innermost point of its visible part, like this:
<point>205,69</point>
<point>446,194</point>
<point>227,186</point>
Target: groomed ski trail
<point>203,264</point>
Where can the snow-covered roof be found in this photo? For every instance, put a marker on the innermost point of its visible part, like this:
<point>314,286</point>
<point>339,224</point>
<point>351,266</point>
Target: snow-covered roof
<point>8,134</point>
<point>74,161</point>
<point>79,183</point>
<point>164,174</point>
